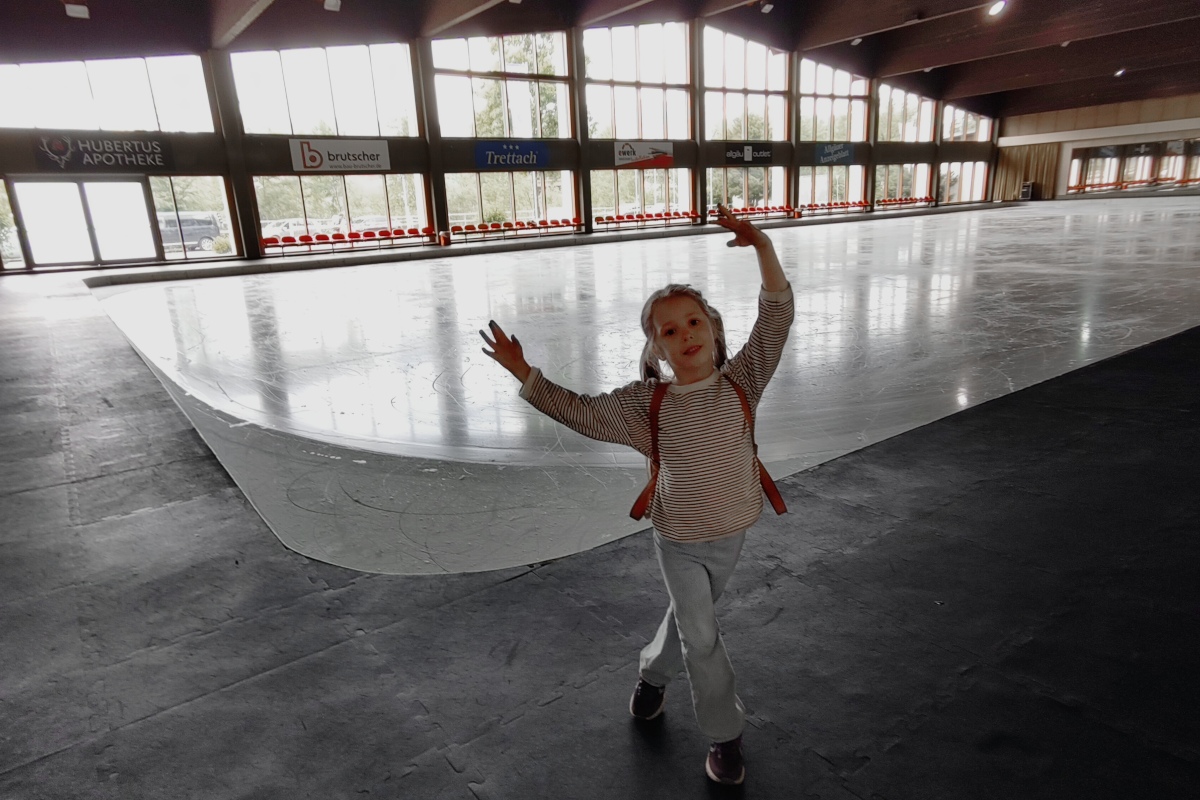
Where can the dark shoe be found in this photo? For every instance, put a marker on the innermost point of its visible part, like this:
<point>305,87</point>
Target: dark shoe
<point>647,701</point>
<point>724,764</point>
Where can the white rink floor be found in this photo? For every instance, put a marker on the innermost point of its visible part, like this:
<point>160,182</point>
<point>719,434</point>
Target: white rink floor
<point>355,410</point>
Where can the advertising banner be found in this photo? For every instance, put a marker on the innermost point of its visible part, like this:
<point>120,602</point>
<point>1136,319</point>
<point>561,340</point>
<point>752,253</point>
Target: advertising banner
<point>102,152</point>
<point>511,154</point>
<point>835,153</point>
<point>644,155</point>
<point>340,155</point>
<point>749,154</point>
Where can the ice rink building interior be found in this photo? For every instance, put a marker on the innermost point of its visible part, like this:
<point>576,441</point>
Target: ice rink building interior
<point>273,526</point>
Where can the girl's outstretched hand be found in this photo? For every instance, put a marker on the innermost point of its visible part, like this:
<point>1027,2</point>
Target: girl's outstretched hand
<point>744,233</point>
<point>506,352</point>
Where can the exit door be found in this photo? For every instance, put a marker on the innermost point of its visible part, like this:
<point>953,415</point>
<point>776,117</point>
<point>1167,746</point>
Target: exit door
<point>86,222</point>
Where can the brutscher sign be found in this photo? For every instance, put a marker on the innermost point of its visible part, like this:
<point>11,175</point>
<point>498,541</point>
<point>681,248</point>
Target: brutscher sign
<point>340,155</point>
<point>102,152</point>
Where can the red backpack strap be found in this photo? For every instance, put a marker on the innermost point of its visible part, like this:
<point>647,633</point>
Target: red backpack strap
<point>641,506</point>
<point>764,477</point>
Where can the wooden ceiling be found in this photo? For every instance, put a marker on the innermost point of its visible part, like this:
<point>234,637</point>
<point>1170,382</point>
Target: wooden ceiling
<point>1037,55</point>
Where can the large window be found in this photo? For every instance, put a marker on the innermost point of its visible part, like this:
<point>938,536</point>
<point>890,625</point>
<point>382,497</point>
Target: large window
<point>823,186</point>
<point>963,182</point>
<point>503,87</point>
<point>745,96</point>
<point>908,183</point>
<point>904,116</point>
<point>125,94</point>
<point>193,216</point>
<point>963,126</point>
<point>640,191</point>
<point>476,197</point>
<point>833,104</point>
<point>747,187</point>
<point>637,82</point>
<point>358,90</point>
<point>291,205</point>
<point>10,245</point>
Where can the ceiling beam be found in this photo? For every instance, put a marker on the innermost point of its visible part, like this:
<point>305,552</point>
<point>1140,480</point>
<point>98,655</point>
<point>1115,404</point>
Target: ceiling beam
<point>710,8</point>
<point>1025,26</point>
<point>231,17</point>
<point>833,21</point>
<point>1160,46</point>
<point>1147,84</point>
<point>597,11</point>
<point>445,14</point>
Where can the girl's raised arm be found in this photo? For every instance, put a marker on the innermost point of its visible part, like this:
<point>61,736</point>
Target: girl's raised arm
<point>746,235</point>
<point>506,352</point>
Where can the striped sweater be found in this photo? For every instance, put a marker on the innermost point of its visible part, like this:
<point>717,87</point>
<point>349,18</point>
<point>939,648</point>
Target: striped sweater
<point>708,486</point>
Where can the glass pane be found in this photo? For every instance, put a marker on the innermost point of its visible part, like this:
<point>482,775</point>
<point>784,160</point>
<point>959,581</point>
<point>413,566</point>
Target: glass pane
<point>258,78</point>
<point>462,198</point>
<point>310,98</point>
<point>604,192</point>
<point>519,55</point>
<point>714,115</point>
<point>555,110</point>
<point>756,66</point>
<point>280,207</point>
<point>821,185</point>
<point>777,66</point>
<point>352,79</point>
<point>63,98</point>
<point>678,116</point>
<point>522,109</point>
<point>193,216</point>
<point>10,244</point>
<point>485,53</point>
<point>54,222</point>
<point>652,113</point>
<point>451,54</point>
<point>858,120</point>
<point>628,190</point>
<point>681,190</point>
<point>824,79</point>
<point>16,102</point>
<point>756,117</point>
<point>714,57</point>
<point>551,53</point>
<point>808,124</point>
<point>675,52</point>
<point>860,87</point>
<point>325,203</point>
<point>488,101</point>
<point>497,196</point>
<point>841,83</point>
<point>928,112</point>
<point>560,199</point>
<point>735,113</point>
<point>626,102</point>
<point>454,105</point>
<point>921,186</point>
<point>120,220</point>
<point>180,94</point>
<point>367,201</point>
<point>599,111</point>
<point>777,118</point>
<point>808,76</point>
<point>855,192</point>
<point>624,47</point>
<point>597,53</point>
<point>804,185</point>
<point>527,192</point>
<point>985,129</point>
<point>716,186</point>
<point>979,187</point>
<point>654,191</point>
<point>735,62</point>
<point>122,91</point>
<point>406,200</point>
<point>394,94</point>
<point>650,53</point>
<point>841,120</point>
<point>824,115</point>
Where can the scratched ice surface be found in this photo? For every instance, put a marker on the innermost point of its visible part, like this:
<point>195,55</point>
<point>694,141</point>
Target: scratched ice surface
<point>354,408</point>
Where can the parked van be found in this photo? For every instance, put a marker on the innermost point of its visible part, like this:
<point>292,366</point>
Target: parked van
<point>196,230</point>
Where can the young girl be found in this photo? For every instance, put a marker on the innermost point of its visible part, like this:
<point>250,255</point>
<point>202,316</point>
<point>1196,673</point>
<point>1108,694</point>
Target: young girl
<point>705,482</point>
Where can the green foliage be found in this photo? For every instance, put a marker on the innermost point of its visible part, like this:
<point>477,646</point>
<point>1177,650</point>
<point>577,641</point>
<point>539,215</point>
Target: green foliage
<point>221,245</point>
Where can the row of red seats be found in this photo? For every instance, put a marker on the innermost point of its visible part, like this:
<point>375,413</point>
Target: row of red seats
<point>851,205</point>
<point>489,228</point>
<point>903,201</point>
<point>663,217</point>
<point>377,238</point>
<point>756,211</point>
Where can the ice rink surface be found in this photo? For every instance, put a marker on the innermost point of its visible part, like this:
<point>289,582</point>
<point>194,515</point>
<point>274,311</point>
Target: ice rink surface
<point>354,408</point>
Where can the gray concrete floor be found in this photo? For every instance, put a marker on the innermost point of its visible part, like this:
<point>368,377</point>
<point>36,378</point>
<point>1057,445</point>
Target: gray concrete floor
<point>1000,604</point>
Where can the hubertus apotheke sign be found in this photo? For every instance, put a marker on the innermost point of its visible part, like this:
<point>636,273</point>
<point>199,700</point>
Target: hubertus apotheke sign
<point>102,152</point>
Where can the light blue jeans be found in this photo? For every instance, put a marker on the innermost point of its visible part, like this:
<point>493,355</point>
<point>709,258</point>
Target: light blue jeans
<point>689,637</point>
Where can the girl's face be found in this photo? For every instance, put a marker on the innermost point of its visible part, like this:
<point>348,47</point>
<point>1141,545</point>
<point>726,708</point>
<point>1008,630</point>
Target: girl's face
<point>683,337</point>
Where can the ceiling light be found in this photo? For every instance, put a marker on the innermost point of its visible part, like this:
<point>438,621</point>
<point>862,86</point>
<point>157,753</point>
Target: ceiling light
<point>1064,44</point>
<point>928,69</point>
<point>77,11</point>
<point>997,7</point>
<point>856,42</point>
<point>766,7</point>
<point>333,5</point>
<point>1119,72</point>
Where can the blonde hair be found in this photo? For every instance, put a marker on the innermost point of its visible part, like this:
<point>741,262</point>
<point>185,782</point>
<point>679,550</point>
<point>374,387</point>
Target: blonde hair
<point>651,366</point>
